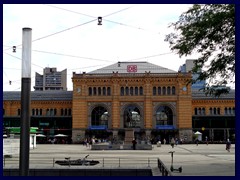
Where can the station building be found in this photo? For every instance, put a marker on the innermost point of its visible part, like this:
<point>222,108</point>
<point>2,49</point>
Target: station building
<point>153,101</point>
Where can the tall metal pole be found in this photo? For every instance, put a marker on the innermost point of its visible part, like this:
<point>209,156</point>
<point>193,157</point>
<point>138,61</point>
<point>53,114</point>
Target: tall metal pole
<point>25,102</point>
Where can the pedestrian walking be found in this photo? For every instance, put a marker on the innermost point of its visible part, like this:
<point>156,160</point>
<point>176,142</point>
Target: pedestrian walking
<point>172,142</point>
<point>228,145</point>
<point>164,141</point>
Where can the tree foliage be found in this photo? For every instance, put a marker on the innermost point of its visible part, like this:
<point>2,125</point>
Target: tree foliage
<point>208,30</point>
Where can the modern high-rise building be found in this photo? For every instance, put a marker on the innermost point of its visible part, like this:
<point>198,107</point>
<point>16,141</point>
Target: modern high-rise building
<point>51,80</point>
<point>187,67</point>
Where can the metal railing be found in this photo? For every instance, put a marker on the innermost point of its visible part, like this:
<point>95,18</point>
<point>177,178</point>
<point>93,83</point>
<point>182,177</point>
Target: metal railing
<point>163,169</point>
<point>103,162</point>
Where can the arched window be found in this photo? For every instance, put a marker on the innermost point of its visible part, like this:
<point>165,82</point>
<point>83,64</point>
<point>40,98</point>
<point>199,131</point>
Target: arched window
<point>89,91</point>
<point>159,91</point>
<point>104,91</point>
<point>141,90</point>
<point>55,112</point>
<point>33,112</point>
<point>230,110</point>
<point>40,112</point>
<point>99,116</point>
<point>210,111</point>
<point>233,111</point>
<point>69,112</point>
<point>136,91</point>
<point>99,91</point>
<point>94,91</point>
<point>122,91</point>
<point>195,111</point>
<point>127,91</point>
<point>164,90</point>
<point>225,111</point>
<point>218,111</point>
<point>173,90</point>
<point>168,90</point>
<point>109,91</point>
<point>132,117</point>
<point>37,112</point>
<point>214,111</point>
<point>154,91</point>
<point>131,91</point>
<point>19,112</point>
<point>65,113</point>
<point>62,112</point>
<point>47,112</point>
<point>203,111</point>
<point>164,116</point>
<point>199,111</point>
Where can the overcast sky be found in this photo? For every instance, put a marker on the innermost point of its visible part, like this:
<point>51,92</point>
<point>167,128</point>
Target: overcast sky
<point>68,37</point>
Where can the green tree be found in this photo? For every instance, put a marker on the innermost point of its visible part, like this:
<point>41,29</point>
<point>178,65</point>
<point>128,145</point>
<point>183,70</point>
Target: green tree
<point>208,30</point>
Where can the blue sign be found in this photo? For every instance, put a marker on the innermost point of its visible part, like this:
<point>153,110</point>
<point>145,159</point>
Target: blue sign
<point>165,127</point>
<point>100,127</point>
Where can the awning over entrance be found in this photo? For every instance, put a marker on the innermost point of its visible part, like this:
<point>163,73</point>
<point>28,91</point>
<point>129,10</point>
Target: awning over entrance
<point>165,127</point>
<point>100,127</point>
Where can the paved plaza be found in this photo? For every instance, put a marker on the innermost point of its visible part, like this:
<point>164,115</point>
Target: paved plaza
<point>201,160</point>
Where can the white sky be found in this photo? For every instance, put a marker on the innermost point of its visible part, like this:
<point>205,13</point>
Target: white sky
<point>136,33</point>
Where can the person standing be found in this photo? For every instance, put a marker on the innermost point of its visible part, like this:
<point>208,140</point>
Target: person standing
<point>134,142</point>
<point>228,145</point>
<point>172,142</point>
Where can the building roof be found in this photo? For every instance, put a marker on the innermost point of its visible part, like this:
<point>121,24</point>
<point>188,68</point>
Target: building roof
<point>40,95</point>
<point>132,67</point>
<point>200,95</point>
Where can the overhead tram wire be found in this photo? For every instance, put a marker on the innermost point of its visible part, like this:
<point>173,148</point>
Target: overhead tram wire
<point>130,26</point>
<point>57,32</point>
<point>95,18</point>
<point>149,56</point>
<point>73,56</point>
<point>21,59</point>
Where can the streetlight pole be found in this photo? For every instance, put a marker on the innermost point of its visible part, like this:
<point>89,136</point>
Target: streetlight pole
<point>25,102</point>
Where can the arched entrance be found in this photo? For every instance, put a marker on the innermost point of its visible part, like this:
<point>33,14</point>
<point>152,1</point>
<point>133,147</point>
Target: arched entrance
<point>132,117</point>
<point>99,117</point>
<point>165,123</point>
<point>164,116</point>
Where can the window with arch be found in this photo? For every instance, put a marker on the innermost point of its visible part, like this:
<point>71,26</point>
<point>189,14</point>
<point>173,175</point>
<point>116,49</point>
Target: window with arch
<point>168,90</point>
<point>164,116</point>
<point>159,91</point>
<point>154,91</point>
<point>94,91</point>
<point>173,90</point>
<point>141,90</point>
<point>195,111</point>
<point>131,91</point>
<point>164,90</point>
<point>127,91</point>
<point>109,91</point>
<point>19,112</point>
<point>104,91</point>
<point>33,112</point>
<point>132,117</point>
<point>136,91</point>
<point>99,91</point>
<point>89,91</point>
<point>99,116</point>
<point>122,91</point>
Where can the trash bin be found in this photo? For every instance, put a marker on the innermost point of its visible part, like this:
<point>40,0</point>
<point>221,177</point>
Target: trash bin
<point>159,144</point>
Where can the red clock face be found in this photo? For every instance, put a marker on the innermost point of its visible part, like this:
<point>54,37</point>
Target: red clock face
<point>132,68</point>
